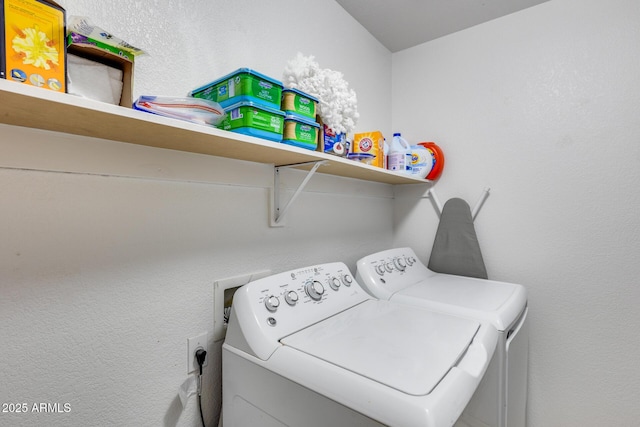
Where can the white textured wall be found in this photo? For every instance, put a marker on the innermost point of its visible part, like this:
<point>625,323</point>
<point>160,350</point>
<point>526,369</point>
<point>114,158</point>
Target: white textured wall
<point>109,251</point>
<point>543,106</point>
<point>193,42</point>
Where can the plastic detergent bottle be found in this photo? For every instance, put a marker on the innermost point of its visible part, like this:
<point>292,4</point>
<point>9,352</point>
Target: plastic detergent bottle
<point>421,161</point>
<point>399,157</point>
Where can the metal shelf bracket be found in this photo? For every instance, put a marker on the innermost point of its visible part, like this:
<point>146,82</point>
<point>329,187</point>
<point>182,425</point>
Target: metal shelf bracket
<point>277,212</point>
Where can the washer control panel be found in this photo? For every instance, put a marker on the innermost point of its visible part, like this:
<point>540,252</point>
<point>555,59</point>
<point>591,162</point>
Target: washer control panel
<point>384,273</point>
<point>271,308</point>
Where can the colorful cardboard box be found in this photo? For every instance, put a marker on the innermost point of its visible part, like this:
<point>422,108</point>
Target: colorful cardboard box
<point>32,43</point>
<point>93,50</point>
<point>370,143</point>
<point>99,64</point>
<point>331,142</point>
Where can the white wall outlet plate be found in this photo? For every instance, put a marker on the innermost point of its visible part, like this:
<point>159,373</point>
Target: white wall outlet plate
<point>193,344</point>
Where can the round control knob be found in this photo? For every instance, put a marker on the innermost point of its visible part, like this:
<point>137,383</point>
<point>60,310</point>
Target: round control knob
<point>380,269</point>
<point>347,280</point>
<point>389,266</point>
<point>334,282</point>
<point>272,303</point>
<point>314,290</point>
<point>410,261</point>
<point>291,298</point>
<point>400,264</point>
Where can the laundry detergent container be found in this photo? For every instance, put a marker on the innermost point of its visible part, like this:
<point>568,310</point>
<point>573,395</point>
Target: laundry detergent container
<point>243,85</point>
<point>300,132</point>
<point>254,119</point>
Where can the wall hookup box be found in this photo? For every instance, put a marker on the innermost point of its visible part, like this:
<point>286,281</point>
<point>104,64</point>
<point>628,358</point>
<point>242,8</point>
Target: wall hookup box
<point>32,43</point>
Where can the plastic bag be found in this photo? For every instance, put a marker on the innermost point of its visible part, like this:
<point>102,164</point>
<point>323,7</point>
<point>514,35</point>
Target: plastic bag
<point>194,110</point>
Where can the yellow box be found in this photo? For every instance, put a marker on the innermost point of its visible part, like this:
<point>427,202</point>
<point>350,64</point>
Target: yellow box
<point>32,43</point>
<point>370,143</point>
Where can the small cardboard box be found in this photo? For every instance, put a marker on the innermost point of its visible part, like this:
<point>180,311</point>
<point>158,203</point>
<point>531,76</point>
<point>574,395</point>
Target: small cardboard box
<point>331,142</point>
<point>93,51</point>
<point>32,43</point>
<point>370,143</point>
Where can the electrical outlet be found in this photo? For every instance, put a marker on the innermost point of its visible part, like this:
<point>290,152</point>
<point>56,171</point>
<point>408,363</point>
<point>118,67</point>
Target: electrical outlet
<point>223,291</point>
<point>193,344</point>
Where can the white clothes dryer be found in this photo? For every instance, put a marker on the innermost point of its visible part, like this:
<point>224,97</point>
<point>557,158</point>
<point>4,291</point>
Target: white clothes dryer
<point>398,276</point>
<point>310,348</point>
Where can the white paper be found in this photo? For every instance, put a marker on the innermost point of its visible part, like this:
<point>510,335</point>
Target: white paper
<point>94,80</point>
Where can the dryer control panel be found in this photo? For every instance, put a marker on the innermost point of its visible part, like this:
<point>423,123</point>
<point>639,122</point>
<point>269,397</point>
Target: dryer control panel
<point>266,310</point>
<point>384,273</point>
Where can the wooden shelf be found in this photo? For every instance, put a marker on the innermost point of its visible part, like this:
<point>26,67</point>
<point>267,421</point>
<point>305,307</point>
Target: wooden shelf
<point>28,106</point>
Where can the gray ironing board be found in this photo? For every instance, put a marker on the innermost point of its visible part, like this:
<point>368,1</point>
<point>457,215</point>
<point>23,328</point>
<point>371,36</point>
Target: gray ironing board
<point>455,247</point>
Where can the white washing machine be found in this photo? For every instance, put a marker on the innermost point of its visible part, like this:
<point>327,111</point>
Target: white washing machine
<point>310,348</point>
<point>398,276</point>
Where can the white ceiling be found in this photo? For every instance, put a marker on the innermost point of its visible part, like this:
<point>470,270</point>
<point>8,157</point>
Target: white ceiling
<point>401,24</point>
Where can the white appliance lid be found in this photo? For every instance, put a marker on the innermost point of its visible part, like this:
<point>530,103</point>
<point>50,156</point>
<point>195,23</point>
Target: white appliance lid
<point>407,348</point>
<point>476,294</point>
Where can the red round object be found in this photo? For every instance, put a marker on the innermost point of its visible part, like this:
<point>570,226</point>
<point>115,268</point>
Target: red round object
<point>438,157</point>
